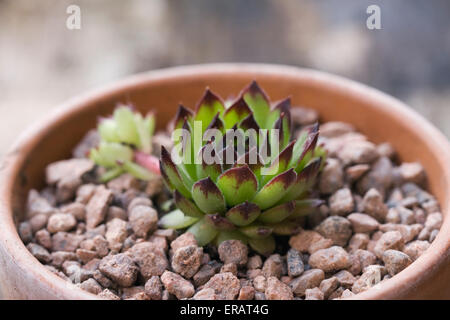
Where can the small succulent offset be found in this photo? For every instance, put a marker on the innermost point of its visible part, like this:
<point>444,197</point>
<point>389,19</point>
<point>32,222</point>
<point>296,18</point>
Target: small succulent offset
<point>240,199</point>
<point>126,145</point>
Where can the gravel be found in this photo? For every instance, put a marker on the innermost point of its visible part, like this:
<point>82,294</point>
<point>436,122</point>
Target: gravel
<point>376,219</point>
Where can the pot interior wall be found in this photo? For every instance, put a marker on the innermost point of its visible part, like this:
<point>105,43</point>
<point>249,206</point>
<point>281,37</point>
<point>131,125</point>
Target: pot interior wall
<point>163,95</point>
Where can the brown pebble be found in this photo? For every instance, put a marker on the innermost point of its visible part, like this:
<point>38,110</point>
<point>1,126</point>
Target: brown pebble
<point>108,295</point>
<point>304,239</point>
<point>277,290</point>
<point>314,294</point>
<point>233,251</point>
<point>295,264</point>
<point>336,228</point>
<point>85,255</point>
<point>76,209</point>
<point>60,222</point>
<point>254,262</point>
<point>395,261</point>
<point>358,241</point>
<point>225,285</point>
<point>116,212</point>
<point>273,266</point>
<point>185,239</point>
<point>327,286</point>
<point>116,233</point>
<point>362,223</point>
<point>332,177</point>
<point>39,252</point>
<point>153,288</point>
<point>152,260</point>
<point>309,279</point>
<point>246,293</point>
<point>187,260</point>
<point>92,286</point>
<point>416,248</point>
<point>345,278</point>
<point>44,238</point>
<point>143,219</point>
<point>204,274</point>
<point>205,294</point>
<point>120,268</point>
<point>63,241</point>
<point>389,240</point>
<point>25,232</point>
<point>331,259</point>
<point>341,202</point>
<point>97,206</point>
<point>374,206</point>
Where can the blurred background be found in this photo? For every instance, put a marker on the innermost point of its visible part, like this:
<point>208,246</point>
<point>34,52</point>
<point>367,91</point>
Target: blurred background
<point>42,63</point>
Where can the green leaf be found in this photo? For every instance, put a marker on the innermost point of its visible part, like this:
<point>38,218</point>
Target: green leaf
<point>212,170</point>
<point>107,129</point>
<point>306,207</point>
<point>237,184</point>
<point>280,164</point>
<point>137,171</point>
<point>278,213</point>
<point>171,174</point>
<point>258,102</point>
<point>283,124</point>
<point>126,125</point>
<point>203,232</point>
<point>275,189</point>
<point>286,228</point>
<point>304,181</point>
<point>219,222</point>
<point>237,112</point>
<point>111,154</point>
<point>188,207</point>
<point>111,174</point>
<point>145,138</point>
<point>280,107</point>
<point>243,214</point>
<point>183,114</point>
<point>208,197</point>
<point>230,235</point>
<point>216,123</point>
<point>208,106</point>
<point>263,246</point>
<point>253,160</point>
<point>256,231</point>
<point>176,220</point>
<point>308,148</point>
<point>188,168</point>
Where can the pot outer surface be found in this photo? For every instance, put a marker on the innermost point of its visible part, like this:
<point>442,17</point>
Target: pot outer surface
<point>377,115</point>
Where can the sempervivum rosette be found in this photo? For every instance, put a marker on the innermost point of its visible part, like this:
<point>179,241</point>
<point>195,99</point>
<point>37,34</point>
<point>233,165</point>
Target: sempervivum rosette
<point>126,145</point>
<point>259,181</point>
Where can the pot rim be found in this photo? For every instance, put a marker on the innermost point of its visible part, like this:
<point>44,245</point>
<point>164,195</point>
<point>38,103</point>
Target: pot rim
<point>12,161</point>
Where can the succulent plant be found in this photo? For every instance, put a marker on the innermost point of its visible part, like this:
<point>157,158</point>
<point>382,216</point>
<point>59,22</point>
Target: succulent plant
<point>235,198</point>
<point>126,145</point>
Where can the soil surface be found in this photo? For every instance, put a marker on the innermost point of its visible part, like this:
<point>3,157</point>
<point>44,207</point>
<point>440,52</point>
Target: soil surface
<point>377,219</point>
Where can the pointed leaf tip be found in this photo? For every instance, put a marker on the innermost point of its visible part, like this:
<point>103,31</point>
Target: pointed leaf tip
<point>275,189</point>
<point>243,214</point>
<point>208,197</point>
<point>219,222</point>
<point>187,206</point>
<point>238,184</point>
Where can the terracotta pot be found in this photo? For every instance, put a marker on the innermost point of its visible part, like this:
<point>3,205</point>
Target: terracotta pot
<point>375,114</point>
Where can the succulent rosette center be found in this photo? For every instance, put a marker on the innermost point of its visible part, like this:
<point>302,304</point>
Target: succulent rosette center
<point>235,172</point>
<point>126,145</point>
